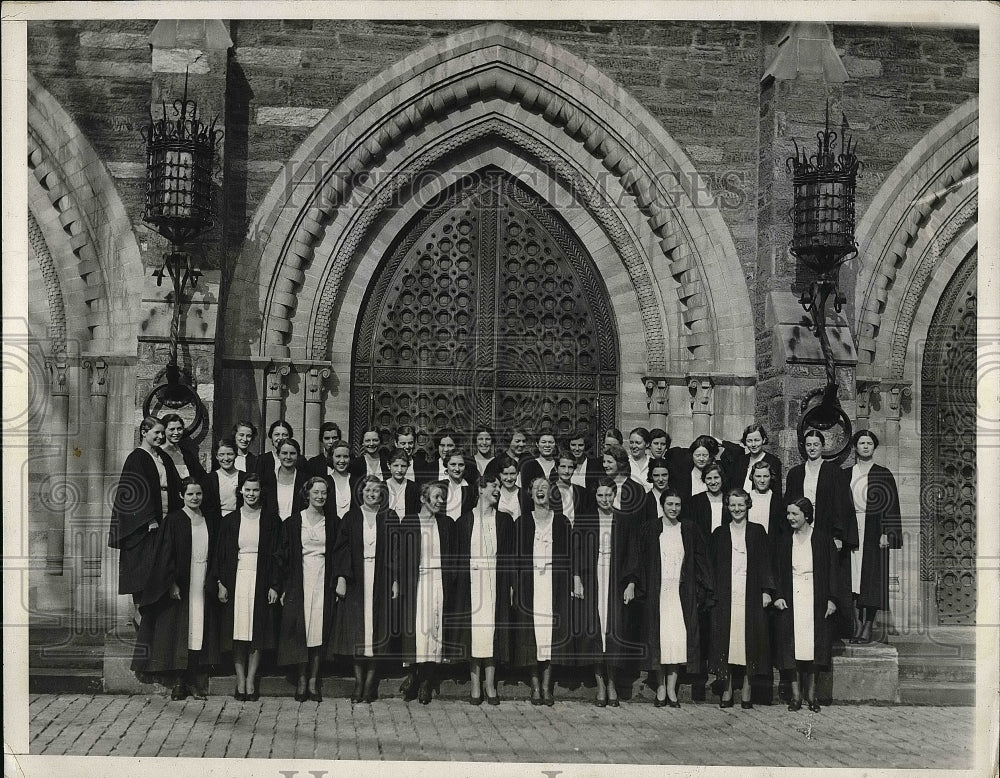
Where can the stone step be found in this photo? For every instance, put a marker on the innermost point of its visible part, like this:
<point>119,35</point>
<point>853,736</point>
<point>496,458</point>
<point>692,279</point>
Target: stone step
<point>917,692</point>
<point>943,669</point>
<point>46,680</point>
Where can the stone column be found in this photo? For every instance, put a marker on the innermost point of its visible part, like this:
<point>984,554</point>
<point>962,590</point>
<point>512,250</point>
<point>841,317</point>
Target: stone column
<point>274,393</point>
<point>91,551</point>
<point>315,377</point>
<point>657,401</point>
<point>702,391</point>
<point>57,429</point>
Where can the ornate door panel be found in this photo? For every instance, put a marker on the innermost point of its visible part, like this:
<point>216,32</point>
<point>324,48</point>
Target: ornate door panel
<point>488,310</point>
<point>948,452</point>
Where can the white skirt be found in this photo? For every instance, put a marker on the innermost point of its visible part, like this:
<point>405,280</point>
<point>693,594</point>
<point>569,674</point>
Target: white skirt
<point>543,614</point>
<point>483,584</point>
<point>803,616</point>
<point>429,625</point>
<point>369,598</point>
<point>196,606</point>
<point>244,597</point>
<point>738,620</point>
<point>313,576</point>
<point>857,554</point>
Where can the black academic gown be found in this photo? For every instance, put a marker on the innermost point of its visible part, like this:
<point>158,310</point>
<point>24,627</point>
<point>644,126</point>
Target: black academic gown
<point>137,505</point>
<point>358,468</point>
<point>621,633</point>
<point>834,508</point>
<point>525,649</point>
<point>695,590</point>
<point>411,498</point>
<point>882,517</point>
<point>286,578</point>
<point>267,463</point>
<point>826,587</point>
<point>224,567</point>
<point>408,569</point>
<point>459,629</point>
<point>760,578</point>
<point>269,487</point>
<point>680,463</point>
<point>736,462</point>
<point>699,508</point>
<point>348,637</point>
<point>530,470</point>
<point>161,647</point>
<point>211,504</point>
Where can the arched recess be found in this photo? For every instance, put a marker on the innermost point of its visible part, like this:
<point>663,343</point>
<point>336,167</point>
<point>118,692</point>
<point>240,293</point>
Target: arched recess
<point>78,209</point>
<point>611,142</point>
<point>929,198</point>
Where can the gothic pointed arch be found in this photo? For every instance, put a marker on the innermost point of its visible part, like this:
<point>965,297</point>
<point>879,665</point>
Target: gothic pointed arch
<point>88,235</point>
<point>568,110</point>
<point>907,238</point>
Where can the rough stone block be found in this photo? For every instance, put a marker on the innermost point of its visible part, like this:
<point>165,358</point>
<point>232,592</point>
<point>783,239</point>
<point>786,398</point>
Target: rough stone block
<point>863,673</point>
<point>270,57</point>
<point>290,117</point>
<point>862,68</point>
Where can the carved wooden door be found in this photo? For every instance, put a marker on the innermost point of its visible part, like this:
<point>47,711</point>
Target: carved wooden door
<point>487,309</point>
<point>948,453</point>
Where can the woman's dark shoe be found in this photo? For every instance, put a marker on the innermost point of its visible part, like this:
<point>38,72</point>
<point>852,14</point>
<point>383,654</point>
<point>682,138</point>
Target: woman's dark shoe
<point>795,705</point>
<point>253,696</point>
<point>179,692</point>
<point>536,696</point>
<point>548,699</point>
<point>746,704</point>
<point>239,696</point>
<point>673,703</point>
<point>371,693</point>
<point>614,703</point>
<point>726,703</point>
<point>659,703</point>
<point>301,696</point>
<point>476,700</point>
<point>814,707</point>
<point>494,700</point>
<point>316,696</point>
<point>600,703</point>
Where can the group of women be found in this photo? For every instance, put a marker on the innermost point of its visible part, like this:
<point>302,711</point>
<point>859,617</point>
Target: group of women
<point>668,559</point>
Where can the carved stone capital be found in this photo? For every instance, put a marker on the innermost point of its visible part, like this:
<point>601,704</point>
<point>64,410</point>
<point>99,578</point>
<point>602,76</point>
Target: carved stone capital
<point>315,378</point>
<point>899,394</point>
<point>702,390</point>
<point>58,369</point>
<point>867,393</point>
<point>98,369</point>
<point>657,395</point>
<point>275,380</point>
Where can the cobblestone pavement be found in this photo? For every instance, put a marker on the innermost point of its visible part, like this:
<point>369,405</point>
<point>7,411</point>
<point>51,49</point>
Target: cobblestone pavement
<point>569,732</point>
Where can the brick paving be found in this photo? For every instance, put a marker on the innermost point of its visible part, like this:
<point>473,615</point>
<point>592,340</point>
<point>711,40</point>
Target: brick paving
<point>451,730</point>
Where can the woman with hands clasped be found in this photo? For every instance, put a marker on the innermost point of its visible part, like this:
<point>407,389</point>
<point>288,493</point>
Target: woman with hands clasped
<point>177,633</point>
<point>302,575</point>
<point>241,569</point>
<point>366,586</point>
<point>744,582</point>
<point>806,587</point>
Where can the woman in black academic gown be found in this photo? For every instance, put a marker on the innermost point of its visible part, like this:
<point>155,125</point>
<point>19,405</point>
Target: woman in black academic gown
<point>744,585</point>
<point>284,488</point>
<point>823,483</point>
<point>371,461</point>
<point>687,464</point>
<point>244,434</point>
<point>365,572</point>
<point>177,449</point>
<point>242,571</point>
<point>483,564</point>
<point>631,496</point>
<point>659,480</point>
<point>403,494</point>
<point>222,486</point>
<point>543,584</point>
<point>608,566</point>
<point>483,453</point>
<point>149,488</point>
<point>425,543</point>
<point>302,575</point>
<point>178,633</point>
<point>708,510</point>
<point>805,597</point>
<point>677,587</point>
<point>268,462</point>
<point>876,509</point>
<point>739,459</point>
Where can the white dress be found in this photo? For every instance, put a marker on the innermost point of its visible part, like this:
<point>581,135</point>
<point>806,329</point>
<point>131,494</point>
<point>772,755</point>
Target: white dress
<point>803,613</point>
<point>429,625</point>
<point>453,505</point>
<point>657,494</point>
<point>196,582</point>
<point>859,490</point>
<point>483,581</point>
<point>161,472</point>
<point>640,471</point>
<point>810,480</point>
<point>738,605</point>
<point>673,635</point>
<point>286,499</point>
<point>241,463</point>
<point>543,614</point>
<point>313,579</point>
<point>697,485</point>
<point>369,540</point>
<point>716,506</point>
<point>568,505</point>
<point>397,496</point>
<point>246,574</point>
<point>373,467</point>
<point>603,572</point>
<point>227,491</point>
<point>760,511</point>
<point>580,474</point>
<point>510,503</point>
<point>342,491</point>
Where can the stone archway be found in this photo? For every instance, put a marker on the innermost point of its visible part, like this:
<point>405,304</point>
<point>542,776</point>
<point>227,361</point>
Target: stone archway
<point>313,239</point>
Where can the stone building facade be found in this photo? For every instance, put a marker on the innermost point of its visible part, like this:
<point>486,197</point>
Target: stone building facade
<point>448,223</point>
